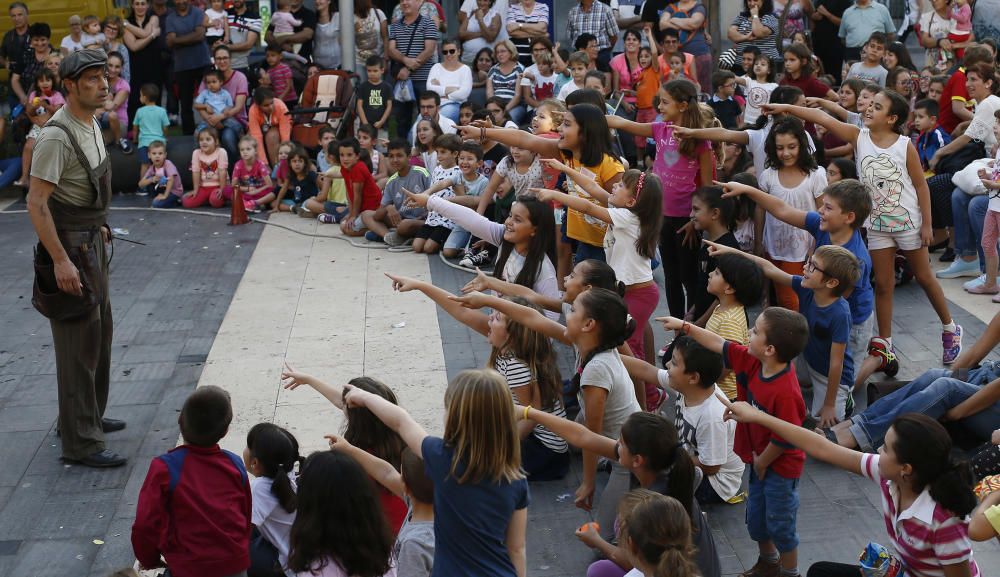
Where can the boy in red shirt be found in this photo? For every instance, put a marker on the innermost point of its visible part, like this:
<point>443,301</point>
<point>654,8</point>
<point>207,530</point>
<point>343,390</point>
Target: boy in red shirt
<point>194,510</point>
<point>766,379</point>
<point>362,191</point>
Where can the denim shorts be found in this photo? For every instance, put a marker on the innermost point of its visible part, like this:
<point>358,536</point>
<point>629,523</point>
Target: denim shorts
<point>338,210</point>
<point>772,509</point>
<point>458,238</point>
<point>143,154</point>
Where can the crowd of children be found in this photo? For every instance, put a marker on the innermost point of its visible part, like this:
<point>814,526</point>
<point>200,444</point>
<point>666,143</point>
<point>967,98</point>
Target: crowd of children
<point>808,195</point>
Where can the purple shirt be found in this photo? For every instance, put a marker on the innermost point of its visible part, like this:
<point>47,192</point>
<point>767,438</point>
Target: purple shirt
<point>166,171</point>
<point>678,173</point>
<point>236,85</point>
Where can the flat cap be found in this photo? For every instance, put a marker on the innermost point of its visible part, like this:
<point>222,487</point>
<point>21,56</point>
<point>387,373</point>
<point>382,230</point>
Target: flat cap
<point>74,64</point>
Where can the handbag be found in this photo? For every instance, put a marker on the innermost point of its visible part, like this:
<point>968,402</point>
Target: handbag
<point>956,161</point>
<point>394,66</point>
<point>54,303</point>
<point>968,179</point>
<point>403,91</point>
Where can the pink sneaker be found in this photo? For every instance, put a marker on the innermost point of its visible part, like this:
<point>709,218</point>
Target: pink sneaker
<point>984,289</point>
<point>251,206</point>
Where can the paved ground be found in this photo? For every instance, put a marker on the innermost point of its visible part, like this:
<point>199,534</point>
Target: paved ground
<point>193,306</point>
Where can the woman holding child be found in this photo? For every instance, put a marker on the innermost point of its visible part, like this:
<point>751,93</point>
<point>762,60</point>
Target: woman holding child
<point>140,30</point>
<point>235,83</point>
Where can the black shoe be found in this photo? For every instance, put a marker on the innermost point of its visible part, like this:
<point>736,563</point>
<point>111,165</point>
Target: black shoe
<point>948,255</point>
<point>938,246</point>
<point>111,425</point>
<point>100,460</point>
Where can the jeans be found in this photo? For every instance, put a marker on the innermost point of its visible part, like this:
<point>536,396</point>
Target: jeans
<point>932,393</point>
<point>172,201</point>
<point>542,463</point>
<point>10,170</point>
<point>968,213</point>
<point>772,508</point>
<point>450,110</point>
<point>519,114</point>
<point>263,557</point>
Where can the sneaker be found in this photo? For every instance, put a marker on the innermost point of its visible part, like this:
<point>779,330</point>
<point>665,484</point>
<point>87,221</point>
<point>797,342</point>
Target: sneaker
<point>295,209</point>
<point>974,283</point>
<point>849,405</point>
<point>372,237</point>
<point>477,260</point>
<point>392,238</point>
<point>960,268</point>
<point>251,206</point>
<point>951,342</point>
<point>880,348</point>
<point>984,289</point>
<point>326,218</point>
<point>763,568</point>
<point>125,145</point>
<point>305,212</point>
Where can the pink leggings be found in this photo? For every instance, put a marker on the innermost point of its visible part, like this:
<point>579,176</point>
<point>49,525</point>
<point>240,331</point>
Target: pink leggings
<point>991,230</point>
<point>641,303</point>
<point>213,195</point>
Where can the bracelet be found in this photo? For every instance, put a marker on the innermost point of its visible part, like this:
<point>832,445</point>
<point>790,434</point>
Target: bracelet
<point>526,409</point>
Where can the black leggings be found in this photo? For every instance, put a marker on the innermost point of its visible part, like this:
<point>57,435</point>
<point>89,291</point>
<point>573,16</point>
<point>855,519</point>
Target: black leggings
<point>830,569</point>
<point>680,266</point>
<point>941,187</point>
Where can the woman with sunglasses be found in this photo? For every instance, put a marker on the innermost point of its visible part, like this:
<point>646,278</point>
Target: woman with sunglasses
<point>112,28</point>
<point>451,79</point>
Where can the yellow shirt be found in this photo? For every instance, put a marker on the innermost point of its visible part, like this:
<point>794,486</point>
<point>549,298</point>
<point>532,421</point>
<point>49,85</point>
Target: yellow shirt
<point>578,225</point>
<point>730,324</point>
<point>337,191</point>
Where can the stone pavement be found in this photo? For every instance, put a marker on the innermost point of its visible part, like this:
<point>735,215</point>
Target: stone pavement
<point>194,307</point>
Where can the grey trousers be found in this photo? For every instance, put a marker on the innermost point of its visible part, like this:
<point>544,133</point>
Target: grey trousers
<point>83,369</point>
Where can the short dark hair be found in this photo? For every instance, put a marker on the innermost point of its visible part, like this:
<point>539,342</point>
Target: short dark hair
<point>839,264</point>
<point>472,148</point>
<point>929,106</point>
<point>374,60</point>
<point>743,275</point>
<point>752,48</point>
<point>698,359</point>
<point>324,130</point>
<point>275,48</point>
<point>452,142</point>
<point>878,38</point>
<point>583,40</point>
<point>431,95</point>
<point>39,30</point>
<point>467,104</point>
<point>215,73</point>
<point>18,5</point>
<point>205,416</point>
<point>367,129</point>
<point>399,144</point>
<point>351,143</point>
<point>785,330</point>
<point>720,77</point>
<point>415,477</point>
<point>262,93</point>
<point>851,196</point>
<point>151,92</point>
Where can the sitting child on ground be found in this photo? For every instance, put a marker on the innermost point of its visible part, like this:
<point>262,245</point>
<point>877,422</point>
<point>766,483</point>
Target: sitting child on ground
<point>161,178</point>
<point>469,185</point>
<point>209,171</point>
<point>434,233</point>
<point>299,187</point>
<point>270,456</point>
<point>194,509</point>
<point>331,202</point>
<point>394,221</point>
<point>252,178</point>
<point>362,192</point>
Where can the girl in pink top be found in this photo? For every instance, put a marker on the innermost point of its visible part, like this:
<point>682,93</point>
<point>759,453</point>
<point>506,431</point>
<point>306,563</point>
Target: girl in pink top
<point>682,166</point>
<point>252,177</point>
<point>209,172</point>
<point>43,102</point>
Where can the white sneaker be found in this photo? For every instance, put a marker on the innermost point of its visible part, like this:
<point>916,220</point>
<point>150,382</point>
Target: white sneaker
<point>975,283</point>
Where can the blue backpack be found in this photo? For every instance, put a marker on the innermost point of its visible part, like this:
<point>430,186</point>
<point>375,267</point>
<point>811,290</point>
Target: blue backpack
<point>175,463</point>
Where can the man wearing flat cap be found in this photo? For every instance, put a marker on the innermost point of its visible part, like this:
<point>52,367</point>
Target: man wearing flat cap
<point>68,202</point>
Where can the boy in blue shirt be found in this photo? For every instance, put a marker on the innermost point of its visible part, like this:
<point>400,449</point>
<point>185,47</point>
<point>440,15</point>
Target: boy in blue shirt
<point>846,205</point>
<point>829,273</point>
<point>932,136</point>
<point>149,122</point>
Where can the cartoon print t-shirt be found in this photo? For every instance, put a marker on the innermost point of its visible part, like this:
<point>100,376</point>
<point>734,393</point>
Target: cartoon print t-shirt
<point>211,166</point>
<point>883,172</point>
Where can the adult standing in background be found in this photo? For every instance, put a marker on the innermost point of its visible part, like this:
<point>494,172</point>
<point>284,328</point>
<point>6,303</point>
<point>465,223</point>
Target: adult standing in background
<point>302,34</point>
<point>478,29</point>
<point>142,28</point>
<point>688,18</point>
<point>15,43</point>
<point>412,50</point>
<point>68,204</point>
<point>934,27</point>
<point>244,34</point>
<point>235,83</point>
<point>326,40</point>
<point>371,31</point>
<point>185,33</point>
<point>826,35</point>
<point>166,67</point>
<point>860,21</point>
<point>597,18</point>
<point>427,10</point>
<point>526,20</point>
<point>797,19</point>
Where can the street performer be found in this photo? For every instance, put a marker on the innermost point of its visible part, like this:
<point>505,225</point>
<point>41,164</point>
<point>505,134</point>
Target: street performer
<point>68,203</point>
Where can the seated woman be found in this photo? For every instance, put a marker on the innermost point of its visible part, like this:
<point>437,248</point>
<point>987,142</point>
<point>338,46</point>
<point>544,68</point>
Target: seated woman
<point>970,396</point>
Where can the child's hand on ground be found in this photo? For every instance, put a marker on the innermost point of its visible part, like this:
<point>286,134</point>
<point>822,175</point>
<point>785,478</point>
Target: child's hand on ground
<point>338,443</point>
<point>292,379</point>
<point>479,284</point>
<point>473,300</point>
<point>670,323</point>
<point>543,194</point>
<point>732,189</point>
<point>345,225</point>
<point>402,284</point>
<point>585,496</point>
<point>416,198</point>
<point>589,535</point>
<point>827,417</point>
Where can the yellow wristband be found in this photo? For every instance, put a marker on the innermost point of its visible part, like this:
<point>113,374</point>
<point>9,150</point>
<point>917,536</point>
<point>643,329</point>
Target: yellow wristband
<point>526,409</point>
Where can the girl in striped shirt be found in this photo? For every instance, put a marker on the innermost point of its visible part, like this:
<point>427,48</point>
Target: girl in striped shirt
<point>926,495</point>
<point>527,361</point>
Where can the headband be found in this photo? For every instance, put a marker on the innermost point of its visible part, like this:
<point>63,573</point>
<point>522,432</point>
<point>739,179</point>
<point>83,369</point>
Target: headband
<point>638,186</point>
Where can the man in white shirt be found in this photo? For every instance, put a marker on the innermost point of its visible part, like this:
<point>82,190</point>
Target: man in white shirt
<point>430,107</point>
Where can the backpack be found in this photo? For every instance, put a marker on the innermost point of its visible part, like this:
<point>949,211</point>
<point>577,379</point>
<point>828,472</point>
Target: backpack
<point>174,461</point>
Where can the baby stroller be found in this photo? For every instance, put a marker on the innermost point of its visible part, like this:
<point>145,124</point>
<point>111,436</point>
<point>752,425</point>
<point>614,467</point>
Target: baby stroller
<point>327,100</point>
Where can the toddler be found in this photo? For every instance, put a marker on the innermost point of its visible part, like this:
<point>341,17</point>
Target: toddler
<point>161,178</point>
<point>961,25</point>
<point>217,23</point>
<point>284,24</point>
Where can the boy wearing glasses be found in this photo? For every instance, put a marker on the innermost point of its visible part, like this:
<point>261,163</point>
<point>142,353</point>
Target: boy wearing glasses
<point>831,272</point>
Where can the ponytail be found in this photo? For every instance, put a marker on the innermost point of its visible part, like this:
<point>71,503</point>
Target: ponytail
<point>655,439</point>
<point>658,532</point>
<point>277,452</point>
<point>610,312</point>
<point>924,444</point>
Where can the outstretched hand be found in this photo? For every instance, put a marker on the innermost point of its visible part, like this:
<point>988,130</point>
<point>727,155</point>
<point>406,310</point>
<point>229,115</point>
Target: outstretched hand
<point>670,323</point>
<point>732,189</point>
<point>402,284</point>
<point>543,194</point>
<point>555,163</point>
<point>292,379</point>
<point>416,198</point>
<point>472,300</point>
<point>716,249</point>
<point>479,284</point>
<point>740,411</point>
<point>338,443</point>
<point>770,109</point>
<point>355,397</point>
